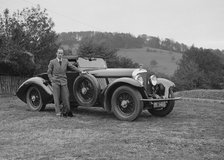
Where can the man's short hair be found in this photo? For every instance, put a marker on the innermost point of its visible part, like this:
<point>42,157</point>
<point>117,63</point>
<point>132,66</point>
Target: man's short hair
<point>60,50</point>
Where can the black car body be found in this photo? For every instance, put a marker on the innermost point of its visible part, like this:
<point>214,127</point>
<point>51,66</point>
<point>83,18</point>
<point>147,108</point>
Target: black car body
<point>124,91</point>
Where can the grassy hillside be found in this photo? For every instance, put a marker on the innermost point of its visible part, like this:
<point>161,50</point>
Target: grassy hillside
<point>164,61</point>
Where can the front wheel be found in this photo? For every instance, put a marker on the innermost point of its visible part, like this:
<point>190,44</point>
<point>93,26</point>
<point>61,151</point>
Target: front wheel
<point>34,99</point>
<point>126,104</point>
<point>162,109</point>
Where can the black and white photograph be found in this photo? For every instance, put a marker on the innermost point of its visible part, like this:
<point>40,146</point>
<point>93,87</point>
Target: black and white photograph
<point>111,80</point>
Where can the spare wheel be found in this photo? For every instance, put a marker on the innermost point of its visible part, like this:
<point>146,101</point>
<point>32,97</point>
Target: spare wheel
<point>86,90</point>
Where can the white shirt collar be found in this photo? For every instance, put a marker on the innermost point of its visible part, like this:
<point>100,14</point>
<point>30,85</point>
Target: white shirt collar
<point>59,59</point>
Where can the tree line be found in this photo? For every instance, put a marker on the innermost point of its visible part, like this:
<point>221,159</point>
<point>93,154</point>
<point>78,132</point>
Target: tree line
<point>123,40</point>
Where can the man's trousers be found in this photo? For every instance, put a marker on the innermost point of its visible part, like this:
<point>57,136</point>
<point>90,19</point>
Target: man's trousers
<point>60,92</point>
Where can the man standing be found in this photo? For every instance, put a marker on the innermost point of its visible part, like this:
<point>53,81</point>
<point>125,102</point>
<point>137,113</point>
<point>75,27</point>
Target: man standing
<point>57,69</point>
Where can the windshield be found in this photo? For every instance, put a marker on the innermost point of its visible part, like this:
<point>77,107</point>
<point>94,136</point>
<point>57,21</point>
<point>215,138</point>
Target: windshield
<point>91,63</point>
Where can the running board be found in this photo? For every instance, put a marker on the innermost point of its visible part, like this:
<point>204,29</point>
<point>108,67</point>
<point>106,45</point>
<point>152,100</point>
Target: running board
<point>161,100</point>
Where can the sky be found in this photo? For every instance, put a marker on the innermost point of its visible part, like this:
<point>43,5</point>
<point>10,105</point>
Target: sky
<point>192,22</point>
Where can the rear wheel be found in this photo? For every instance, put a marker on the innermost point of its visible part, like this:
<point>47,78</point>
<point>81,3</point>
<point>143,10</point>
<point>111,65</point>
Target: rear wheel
<point>34,99</point>
<point>126,104</point>
<point>162,109</point>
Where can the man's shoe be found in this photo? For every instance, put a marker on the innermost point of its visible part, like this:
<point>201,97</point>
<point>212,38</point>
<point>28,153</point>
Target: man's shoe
<point>65,115</point>
<point>70,114</point>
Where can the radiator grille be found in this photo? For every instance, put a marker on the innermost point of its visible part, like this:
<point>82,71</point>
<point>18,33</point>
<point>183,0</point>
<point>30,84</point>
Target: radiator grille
<point>145,77</point>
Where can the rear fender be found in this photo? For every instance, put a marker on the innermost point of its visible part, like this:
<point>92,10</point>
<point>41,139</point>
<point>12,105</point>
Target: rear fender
<point>108,92</point>
<point>45,89</point>
<point>167,84</point>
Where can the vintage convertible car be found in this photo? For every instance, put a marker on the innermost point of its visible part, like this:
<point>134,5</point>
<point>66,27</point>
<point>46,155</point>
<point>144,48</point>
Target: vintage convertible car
<point>124,91</point>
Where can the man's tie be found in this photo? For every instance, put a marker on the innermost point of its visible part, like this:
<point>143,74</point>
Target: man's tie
<point>60,62</point>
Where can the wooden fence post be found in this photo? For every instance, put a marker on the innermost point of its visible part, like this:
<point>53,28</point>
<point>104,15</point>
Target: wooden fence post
<point>10,84</point>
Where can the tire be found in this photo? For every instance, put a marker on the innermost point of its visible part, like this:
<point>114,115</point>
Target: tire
<point>126,104</point>
<point>34,99</point>
<point>162,112</point>
<point>86,90</point>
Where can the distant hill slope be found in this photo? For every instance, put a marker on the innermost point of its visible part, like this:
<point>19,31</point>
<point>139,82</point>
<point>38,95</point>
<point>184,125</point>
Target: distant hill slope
<point>156,59</point>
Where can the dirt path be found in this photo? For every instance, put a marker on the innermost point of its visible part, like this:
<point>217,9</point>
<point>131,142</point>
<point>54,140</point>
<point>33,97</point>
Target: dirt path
<point>192,131</point>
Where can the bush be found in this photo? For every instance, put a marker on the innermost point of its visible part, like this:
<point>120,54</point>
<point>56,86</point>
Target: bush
<point>18,63</point>
<point>199,69</point>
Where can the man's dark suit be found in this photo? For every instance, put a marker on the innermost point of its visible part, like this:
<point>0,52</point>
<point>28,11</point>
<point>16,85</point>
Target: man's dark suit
<point>57,75</point>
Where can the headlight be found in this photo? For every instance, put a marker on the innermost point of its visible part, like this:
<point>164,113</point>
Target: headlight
<point>153,80</point>
<point>139,79</point>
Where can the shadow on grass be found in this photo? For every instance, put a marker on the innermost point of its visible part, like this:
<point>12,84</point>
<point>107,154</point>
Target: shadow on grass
<point>80,111</point>
<point>99,113</point>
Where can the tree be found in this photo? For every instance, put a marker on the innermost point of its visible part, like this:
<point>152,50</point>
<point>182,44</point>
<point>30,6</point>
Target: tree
<point>168,44</point>
<point>154,42</point>
<point>200,68</point>
<point>91,47</point>
<point>29,30</point>
<point>123,62</point>
<point>188,76</point>
<point>153,63</point>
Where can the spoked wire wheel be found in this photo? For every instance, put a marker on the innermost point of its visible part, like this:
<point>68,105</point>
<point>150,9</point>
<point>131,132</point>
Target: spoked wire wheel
<point>86,90</point>
<point>162,109</point>
<point>34,99</point>
<point>126,104</point>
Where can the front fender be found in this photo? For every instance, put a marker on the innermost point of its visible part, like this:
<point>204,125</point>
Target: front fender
<point>167,84</point>
<point>115,84</point>
<point>45,89</point>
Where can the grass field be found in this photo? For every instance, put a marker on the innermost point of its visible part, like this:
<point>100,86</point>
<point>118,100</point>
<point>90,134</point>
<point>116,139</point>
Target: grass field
<point>166,60</point>
<point>192,131</point>
<point>203,93</point>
